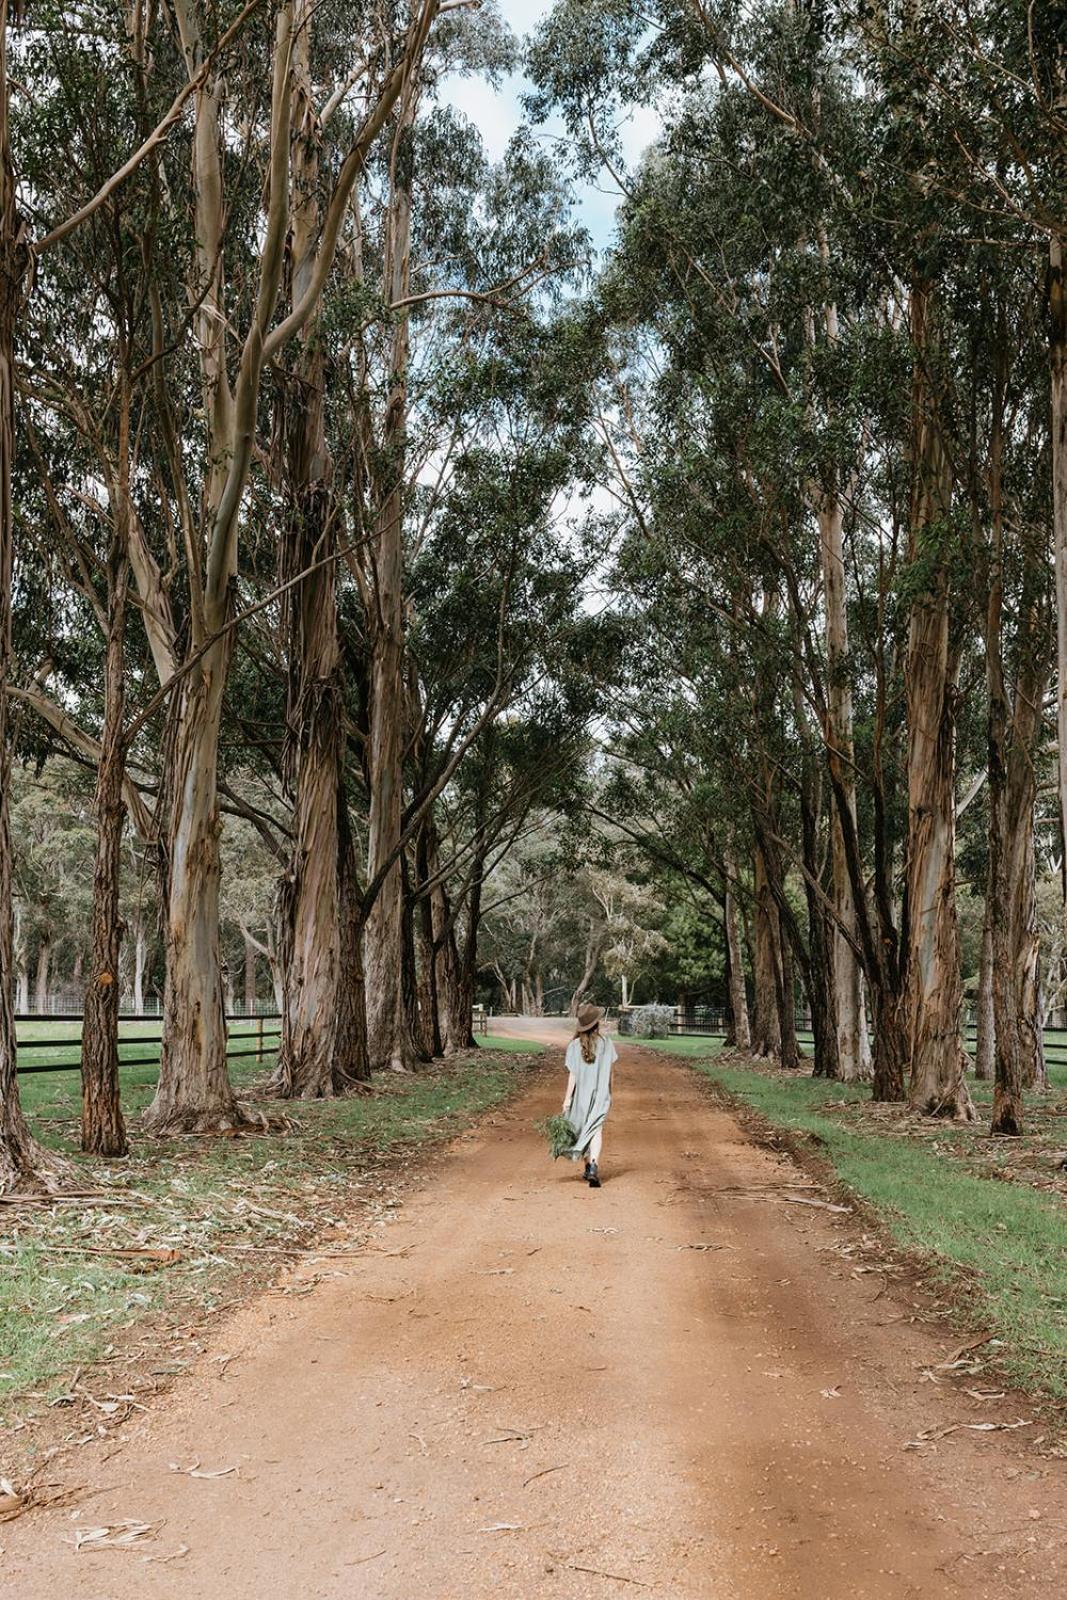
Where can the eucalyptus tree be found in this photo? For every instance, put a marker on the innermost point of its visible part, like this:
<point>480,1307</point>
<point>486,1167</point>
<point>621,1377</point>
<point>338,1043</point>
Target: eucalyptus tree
<point>22,1161</point>
<point>822,230</point>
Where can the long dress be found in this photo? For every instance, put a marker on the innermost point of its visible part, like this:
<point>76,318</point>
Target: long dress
<point>591,1100</point>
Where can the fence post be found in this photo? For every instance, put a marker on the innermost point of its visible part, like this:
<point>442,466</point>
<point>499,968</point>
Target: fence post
<point>259,1038</point>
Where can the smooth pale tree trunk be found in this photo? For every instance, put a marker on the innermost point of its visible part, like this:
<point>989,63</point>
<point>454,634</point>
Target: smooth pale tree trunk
<point>194,1094</point>
<point>937,1086</point>
<point>103,1130</point>
<point>44,966</point>
<point>742,1035</point>
<point>766,1030</point>
<point>140,954</point>
<point>1027,952</point>
<point>24,1164</point>
<point>22,985</point>
<point>985,1024</point>
<point>386,1020</point>
<point>250,985</point>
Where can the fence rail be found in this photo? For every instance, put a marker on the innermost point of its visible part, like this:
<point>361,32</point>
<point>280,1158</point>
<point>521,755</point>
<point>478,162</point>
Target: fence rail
<point>262,1027</point>
<point>713,1025</point>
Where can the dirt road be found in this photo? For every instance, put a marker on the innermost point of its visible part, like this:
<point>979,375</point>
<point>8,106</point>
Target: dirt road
<point>528,1389</point>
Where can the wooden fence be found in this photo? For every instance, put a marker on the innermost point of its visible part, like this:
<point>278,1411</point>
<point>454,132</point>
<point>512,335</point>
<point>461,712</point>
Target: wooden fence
<point>252,1036</point>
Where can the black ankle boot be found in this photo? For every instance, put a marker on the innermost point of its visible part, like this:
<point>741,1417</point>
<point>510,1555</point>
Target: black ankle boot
<point>592,1175</point>
<point>588,1170</point>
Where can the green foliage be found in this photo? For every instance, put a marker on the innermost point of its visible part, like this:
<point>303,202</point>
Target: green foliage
<point>559,1133</point>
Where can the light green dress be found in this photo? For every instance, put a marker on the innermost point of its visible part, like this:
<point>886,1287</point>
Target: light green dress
<point>592,1092</point>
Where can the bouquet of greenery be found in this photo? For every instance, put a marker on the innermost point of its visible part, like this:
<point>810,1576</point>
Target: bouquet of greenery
<point>559,1133</point>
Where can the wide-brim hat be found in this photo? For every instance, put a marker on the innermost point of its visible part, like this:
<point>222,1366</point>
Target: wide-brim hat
<point>588,1017</point>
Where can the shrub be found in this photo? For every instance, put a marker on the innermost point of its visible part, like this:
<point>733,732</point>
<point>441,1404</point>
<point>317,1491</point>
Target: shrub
<point>649,1022</point>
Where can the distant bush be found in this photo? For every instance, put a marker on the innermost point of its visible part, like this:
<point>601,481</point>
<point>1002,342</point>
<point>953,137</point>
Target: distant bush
<point>648,1022</point>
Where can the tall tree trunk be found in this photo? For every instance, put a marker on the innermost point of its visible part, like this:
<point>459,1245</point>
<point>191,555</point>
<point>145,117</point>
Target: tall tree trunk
<point>767,1030</point>
<point>44,966</point>
<point>24,1164</point>
<point>194,1094</point>
<point>429,999</point>
<point>386,1020</point>
<point>853,1046</point>
<point>985,1024</point>
<point>419,1025</point>
<point>352,1001</point>
<point>21,960</point>
<point>462,1000</point>
<point>103,1129</point>
<point>742,1034</point>
<point>1014,728</point>
<point>937,1085</point>
<point>250,986</point>
<point>310,1065</point>
<point>1057,309</point>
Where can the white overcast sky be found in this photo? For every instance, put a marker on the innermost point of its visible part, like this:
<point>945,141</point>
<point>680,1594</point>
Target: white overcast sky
<point>498,113</point>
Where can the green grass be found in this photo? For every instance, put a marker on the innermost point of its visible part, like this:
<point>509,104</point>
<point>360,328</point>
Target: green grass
<point>503,1041</point>
<point>940,1195</point>
<point>231,1208</point>
<point>684,1046</point>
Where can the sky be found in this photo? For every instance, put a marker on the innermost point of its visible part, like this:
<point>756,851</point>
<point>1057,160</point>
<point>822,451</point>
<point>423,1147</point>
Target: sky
<point>498,112</point>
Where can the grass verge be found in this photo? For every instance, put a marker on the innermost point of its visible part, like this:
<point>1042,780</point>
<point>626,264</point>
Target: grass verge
<point>988,1215</point>
<point>190,1226</point>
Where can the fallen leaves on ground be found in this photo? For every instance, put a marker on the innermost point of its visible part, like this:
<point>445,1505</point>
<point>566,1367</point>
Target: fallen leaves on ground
<point>115,1535</point>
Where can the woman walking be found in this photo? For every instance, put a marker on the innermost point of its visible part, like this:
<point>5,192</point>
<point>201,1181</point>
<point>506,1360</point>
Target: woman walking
<point>590,1057</point>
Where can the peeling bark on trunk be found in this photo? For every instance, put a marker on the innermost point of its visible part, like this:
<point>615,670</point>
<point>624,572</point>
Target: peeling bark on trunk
<point>420,1043</point>
<point>766,1031</point>
<point>352,1000</point>
<point>194,1094</point>
<point>985,1025</point>
<point>742,1034</point>
<point>1014,732</point>
<point>103,1131</point>
<point>310,1065</point>
<point>429,1000</point>
<point>386,1020</point>
<point>934,995</point>
<point>853,1047</point>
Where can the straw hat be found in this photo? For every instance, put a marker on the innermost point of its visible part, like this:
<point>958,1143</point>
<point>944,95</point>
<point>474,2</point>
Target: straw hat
<point>588,1017</point>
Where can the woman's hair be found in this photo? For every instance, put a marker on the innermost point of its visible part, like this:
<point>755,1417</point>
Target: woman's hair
<point>588,1039</point>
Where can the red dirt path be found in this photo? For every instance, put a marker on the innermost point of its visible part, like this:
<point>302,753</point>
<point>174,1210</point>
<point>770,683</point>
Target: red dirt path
<point>528,1389</point>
